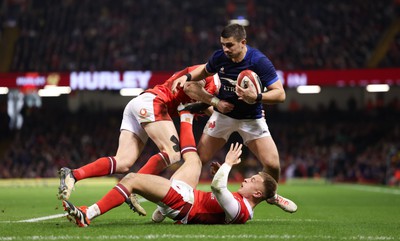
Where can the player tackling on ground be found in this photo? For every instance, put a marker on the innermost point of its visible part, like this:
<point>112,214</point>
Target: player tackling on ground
<point>178,198</point>
<point>148,115</point>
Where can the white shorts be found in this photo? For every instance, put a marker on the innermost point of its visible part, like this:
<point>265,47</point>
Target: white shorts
<point>145,108</point>
<point>179,196</point>
<point>222,126</point>
<point>137,111</point>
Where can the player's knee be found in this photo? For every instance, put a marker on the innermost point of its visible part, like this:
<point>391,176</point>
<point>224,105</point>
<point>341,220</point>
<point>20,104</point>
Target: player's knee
<point>271,161</point>
<point>130,176</point>
<point>272,167</point>
<point>204,157</point>
<point>123,165</point>
<point>128,179</point>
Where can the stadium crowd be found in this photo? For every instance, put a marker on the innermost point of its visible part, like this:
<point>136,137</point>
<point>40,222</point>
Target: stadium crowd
<point>169,35</point>
<point>342,145</point>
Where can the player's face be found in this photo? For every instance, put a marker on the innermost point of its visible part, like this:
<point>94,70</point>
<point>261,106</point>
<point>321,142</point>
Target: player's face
<point>233,49</point>
<point>251,185</point>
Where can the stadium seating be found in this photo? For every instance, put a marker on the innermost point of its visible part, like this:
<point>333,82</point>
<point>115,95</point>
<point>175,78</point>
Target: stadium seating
<point>169,35</point>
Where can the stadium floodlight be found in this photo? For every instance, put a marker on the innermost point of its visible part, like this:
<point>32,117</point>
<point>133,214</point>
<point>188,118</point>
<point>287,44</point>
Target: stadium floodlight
<point>3,90</point>
<point>54,91</point>
<point>130,91</point>
<point>377,88</point>
<point>240,20</point>
<point>48,93</point>
<point>60,89</point>
<point>308,89</point>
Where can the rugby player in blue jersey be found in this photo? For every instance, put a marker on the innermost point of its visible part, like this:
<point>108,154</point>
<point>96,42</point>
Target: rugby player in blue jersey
<point>246,117</point>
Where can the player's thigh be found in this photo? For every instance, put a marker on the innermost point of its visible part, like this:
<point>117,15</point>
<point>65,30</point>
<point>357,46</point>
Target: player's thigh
<point>265,150</point>
<point>216,133</point>
<point>208,146</point>
<point>152,187</point>
<point>130,147</point>
<point>164,135</point>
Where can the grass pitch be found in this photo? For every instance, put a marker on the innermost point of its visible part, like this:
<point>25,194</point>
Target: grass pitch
<point>29,210</point>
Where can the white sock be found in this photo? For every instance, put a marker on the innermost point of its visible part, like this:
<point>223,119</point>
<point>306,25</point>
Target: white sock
<point>93,211</point>
<point>187,117</point>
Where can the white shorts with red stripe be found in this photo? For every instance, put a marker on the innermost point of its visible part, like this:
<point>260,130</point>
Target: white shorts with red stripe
<point>144,108</point>
<point>178,201</point>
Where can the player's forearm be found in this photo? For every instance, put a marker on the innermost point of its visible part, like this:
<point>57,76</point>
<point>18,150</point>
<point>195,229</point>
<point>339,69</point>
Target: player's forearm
<point>220,180</point>
<point>273,96</point>
<point>196,92</point>
<point>199,73</point>
<point>222,194</point>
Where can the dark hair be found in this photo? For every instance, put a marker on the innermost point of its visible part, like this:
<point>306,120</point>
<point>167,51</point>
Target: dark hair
<point>270,185</point>
<point>234,30</point>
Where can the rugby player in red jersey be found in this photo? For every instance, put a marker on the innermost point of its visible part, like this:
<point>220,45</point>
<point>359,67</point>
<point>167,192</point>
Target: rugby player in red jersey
<point>178,198</point>
<point>143,117</point>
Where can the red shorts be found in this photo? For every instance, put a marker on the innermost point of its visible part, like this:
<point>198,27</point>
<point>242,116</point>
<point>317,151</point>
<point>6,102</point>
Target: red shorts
<point>397,174</point>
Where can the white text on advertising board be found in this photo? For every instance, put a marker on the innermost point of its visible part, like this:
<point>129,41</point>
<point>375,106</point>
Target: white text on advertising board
<point>109,80</point>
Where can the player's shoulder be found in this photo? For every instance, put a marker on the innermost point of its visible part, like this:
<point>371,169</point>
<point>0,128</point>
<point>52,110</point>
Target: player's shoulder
<point>255,54</point>
<point>237,196</point>
<point>218,54</point>
<point>258,59</point>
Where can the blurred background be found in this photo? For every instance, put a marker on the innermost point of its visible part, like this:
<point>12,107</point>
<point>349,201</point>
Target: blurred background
<point>68,68</point>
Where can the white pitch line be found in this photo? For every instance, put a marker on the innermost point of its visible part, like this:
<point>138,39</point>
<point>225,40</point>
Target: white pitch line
<point>200,237</point>
<point>33,220</point>
<point>294,220</point>
<point>373,189</point>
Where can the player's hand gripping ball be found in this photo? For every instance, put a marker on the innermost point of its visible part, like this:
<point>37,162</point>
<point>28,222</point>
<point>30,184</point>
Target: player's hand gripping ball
<point>251,83</point>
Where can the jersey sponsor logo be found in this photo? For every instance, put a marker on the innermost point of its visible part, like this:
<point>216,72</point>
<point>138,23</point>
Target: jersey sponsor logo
<point>263,131</point>
<point>143,112</point>
<point>212,196</point>
<point>230,81</point>
<point>229,88</point>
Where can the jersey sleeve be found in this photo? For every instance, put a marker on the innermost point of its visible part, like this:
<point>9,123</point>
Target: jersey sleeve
<point>266,71</point>
<point>213,83</point>
<point>211,64</point>
<point>225,198</point>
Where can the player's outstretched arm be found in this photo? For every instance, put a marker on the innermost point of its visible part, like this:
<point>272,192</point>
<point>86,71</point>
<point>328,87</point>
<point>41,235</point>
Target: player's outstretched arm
<point>195,75</point>
<point>197,92</point>
<point>234,153</point>
<point>220,181</point>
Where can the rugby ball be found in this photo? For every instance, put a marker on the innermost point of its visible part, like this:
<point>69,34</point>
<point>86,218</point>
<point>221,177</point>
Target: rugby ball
<point>248,78</point>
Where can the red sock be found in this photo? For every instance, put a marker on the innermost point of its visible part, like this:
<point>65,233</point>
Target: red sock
<point>188,142</point>
<point>101,167</point>
<point>114,198</point>
<point>156,164</point>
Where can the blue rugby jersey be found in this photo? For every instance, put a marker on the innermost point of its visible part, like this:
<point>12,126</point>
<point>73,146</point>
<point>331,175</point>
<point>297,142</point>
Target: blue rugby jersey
<point>228,72</point>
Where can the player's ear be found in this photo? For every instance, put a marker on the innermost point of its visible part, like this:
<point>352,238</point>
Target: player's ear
<point>257,194</point>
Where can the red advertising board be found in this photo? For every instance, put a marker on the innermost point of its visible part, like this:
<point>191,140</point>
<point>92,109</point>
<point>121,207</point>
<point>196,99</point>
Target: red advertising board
<point>115,80</point>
